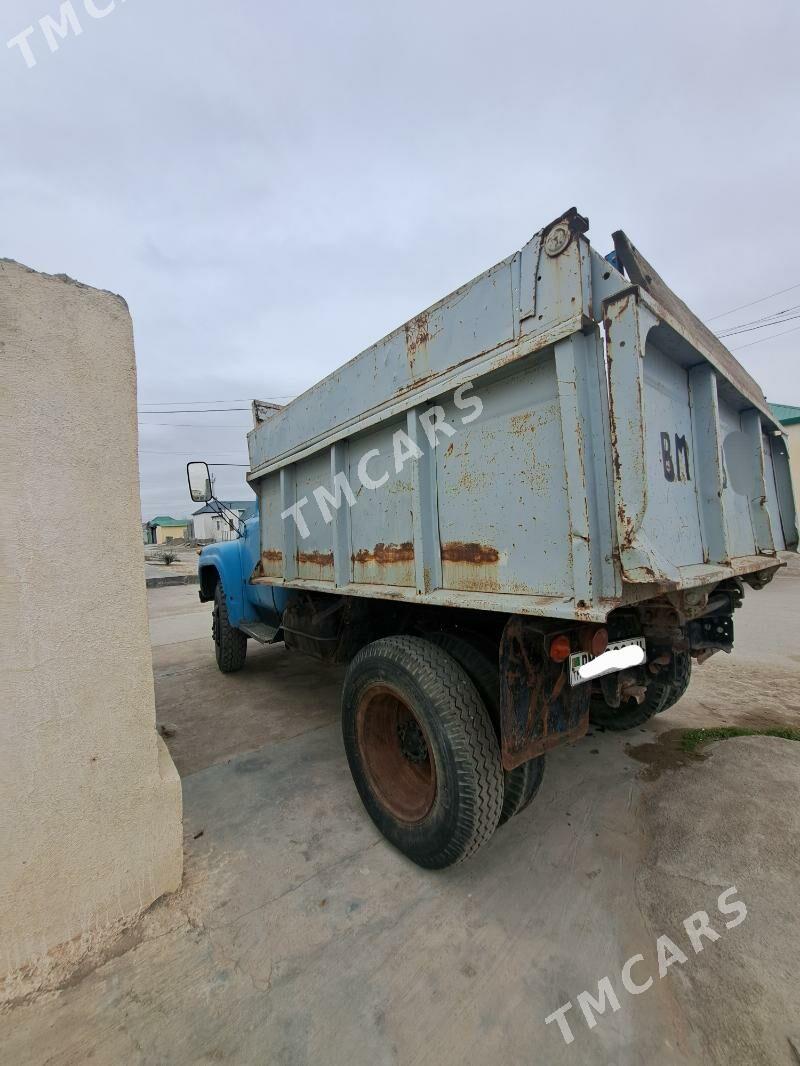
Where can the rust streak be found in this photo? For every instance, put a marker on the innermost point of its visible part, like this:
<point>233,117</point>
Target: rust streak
<point>416,334</point>
<point>316,558</point>
<point>386,554</point>
<point>630,529</point>
<point>272,555</point>
<point>479,554</point>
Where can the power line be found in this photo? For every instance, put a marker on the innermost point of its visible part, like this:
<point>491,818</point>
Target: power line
<point>196,425</point>
<point>750,329</point>
<point>761,340</point>
<point>145,451</point>
<point>240,399</point>
<point>752,303</point>
<point>774,319</point>
<point>192,410</point>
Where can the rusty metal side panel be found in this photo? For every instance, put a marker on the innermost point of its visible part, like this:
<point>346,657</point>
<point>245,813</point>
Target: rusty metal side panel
<point>501,485</point>
<point>538,708</point>
<point>672,519</point>
<point>694,479</point>
<point>272,535</point>
<point>314,553</point>
<point>381,521</point>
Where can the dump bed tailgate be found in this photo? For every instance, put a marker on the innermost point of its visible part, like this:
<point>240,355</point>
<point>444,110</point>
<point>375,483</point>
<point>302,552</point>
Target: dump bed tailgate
<point>701,474</point>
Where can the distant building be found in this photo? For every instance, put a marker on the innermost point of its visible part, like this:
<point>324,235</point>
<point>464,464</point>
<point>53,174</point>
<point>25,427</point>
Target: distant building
<point>162,529</point>
<point>208,524</point>
<point>789,417</point>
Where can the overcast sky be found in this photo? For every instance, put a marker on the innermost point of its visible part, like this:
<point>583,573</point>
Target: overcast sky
<point>274,187</point>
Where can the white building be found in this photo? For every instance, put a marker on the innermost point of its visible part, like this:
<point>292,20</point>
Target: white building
<point>789,417</point>
<point>208,524</point>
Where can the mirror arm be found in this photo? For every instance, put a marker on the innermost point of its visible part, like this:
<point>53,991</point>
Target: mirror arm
<point>230,516</point>
<point>235,523</point>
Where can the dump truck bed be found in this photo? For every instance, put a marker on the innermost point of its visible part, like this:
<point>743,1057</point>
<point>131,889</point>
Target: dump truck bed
<point>554,438</point>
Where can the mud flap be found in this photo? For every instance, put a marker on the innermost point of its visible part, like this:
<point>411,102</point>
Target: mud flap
<point>538,708</point>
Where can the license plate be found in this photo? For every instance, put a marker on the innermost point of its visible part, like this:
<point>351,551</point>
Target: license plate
<point>581,658</point>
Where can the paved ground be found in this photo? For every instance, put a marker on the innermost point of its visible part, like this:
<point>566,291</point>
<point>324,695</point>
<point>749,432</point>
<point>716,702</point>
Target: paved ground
<point>301,937</point>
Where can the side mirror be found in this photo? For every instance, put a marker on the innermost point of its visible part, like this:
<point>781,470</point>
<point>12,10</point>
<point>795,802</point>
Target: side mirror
<point>199,482</point>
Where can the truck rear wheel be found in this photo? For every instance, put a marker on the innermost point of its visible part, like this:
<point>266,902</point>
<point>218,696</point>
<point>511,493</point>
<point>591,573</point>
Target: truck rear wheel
<point>628,715</point>
<point>522,783</point>
<point>422,750</point>
<point>663,691</point>
<point>230,643</point>
<point>680,681</point>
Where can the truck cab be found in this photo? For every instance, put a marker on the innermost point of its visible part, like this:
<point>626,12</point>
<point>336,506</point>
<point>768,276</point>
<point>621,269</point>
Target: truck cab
<point>241,609</point>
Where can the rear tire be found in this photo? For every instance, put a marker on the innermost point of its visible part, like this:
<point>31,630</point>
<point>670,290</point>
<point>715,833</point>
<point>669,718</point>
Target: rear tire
<point>664,690</point>
<point>680,681</point>
<point>522,783</point>
<point>628,715</point>
<point>230,643</point>
<point>422,750</point>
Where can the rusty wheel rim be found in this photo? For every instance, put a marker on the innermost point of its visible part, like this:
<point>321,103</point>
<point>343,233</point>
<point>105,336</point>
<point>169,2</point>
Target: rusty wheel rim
<point>396,754</point>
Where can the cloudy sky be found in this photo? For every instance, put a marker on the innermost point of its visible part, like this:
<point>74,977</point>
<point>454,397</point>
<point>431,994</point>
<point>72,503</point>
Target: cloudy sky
<point>273,187</point>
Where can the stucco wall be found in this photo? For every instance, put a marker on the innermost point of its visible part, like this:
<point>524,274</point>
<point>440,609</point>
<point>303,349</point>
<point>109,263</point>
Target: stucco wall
<point>90,802</point>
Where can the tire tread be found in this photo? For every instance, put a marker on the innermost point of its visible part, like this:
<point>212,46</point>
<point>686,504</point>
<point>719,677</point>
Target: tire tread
<point>521,784</point>
<point>231,645</point>
<point>470,735</point>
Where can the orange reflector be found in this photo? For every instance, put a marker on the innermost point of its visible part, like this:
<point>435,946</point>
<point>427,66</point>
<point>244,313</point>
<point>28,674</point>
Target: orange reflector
<point>559,648</point>
<point>599,641</point>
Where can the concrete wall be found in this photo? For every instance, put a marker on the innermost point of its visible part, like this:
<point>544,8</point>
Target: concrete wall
<point>90,802</point>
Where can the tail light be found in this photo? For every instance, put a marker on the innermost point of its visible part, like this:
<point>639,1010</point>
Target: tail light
<point>593,639</point>
<point>560,648</point>
<point>599,641</point>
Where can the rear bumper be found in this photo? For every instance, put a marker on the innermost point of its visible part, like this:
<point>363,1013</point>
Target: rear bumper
<point>696,576</point>
<point>710,573</point>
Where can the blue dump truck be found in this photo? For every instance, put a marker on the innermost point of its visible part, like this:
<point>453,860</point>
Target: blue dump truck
<point>532,506</point>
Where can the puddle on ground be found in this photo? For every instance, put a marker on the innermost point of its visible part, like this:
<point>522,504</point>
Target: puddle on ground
<point>665,753</point>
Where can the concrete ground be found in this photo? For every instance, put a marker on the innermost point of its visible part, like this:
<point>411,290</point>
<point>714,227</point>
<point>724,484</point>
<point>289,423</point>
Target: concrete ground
<point>300,936</point>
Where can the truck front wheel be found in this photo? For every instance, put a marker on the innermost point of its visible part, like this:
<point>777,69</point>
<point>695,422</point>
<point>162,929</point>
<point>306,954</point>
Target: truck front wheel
<point>422,750</point>
<point>230,643</point>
